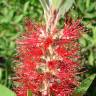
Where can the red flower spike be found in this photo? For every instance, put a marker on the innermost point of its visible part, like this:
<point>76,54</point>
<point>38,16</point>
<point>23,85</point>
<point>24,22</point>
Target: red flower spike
<point>53,65</point>
<point>47,61</point>
<point>47,42</point>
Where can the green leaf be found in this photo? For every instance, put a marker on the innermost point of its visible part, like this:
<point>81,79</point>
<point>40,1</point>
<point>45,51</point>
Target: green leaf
<point>84,86</point>
<point>56,3</point>
<point>91,58</point>
<point>66,6</point>
<point>5,91</point>
<point>82,42</point>
<point>87,37</point>
<point>1,70</point>
<point>26,6</point>
<point>29,93</point>
<point>87,3</point>
<point>90,7</point>
<point>45,5</point>
<point>18,18</point>
<point>81,6</point>
<point>90,15</point>
<point>94,35</point>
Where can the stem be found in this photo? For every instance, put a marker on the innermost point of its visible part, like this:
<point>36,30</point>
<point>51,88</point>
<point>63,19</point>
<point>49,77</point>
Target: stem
<point>55,22</point>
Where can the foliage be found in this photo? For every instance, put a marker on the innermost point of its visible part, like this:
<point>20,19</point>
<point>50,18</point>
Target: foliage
<point>6,92</point>
<point>81,90</point>
<point>86,10</point>
<point>12,16</point>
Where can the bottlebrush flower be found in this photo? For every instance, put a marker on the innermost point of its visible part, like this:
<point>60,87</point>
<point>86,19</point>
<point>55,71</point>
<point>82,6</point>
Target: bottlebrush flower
<point>48,61</point>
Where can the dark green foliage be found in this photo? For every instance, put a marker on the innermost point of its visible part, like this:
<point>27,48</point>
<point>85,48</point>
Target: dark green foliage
<point>86,10</point>
<point>13,14</point>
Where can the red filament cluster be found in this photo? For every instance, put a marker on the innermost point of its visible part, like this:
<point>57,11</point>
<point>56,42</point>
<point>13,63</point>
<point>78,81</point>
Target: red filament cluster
<point>48,63</point>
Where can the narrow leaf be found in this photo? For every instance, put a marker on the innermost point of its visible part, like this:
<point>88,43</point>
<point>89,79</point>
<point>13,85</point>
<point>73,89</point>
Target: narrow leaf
<point>56,3</point>
<point>1,70</point>
<point>26,7</point>
<point>44,4</point>
<point>18,18</point>
<point>83,42</point>
<point>5,91</point>
<point>84,86</point>
<point>29,93</point>
<point>66,6</point>
<point>91,58</point>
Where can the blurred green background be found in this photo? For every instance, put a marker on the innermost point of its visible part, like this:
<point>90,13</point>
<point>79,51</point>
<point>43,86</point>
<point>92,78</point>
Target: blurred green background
<point>13,13</point>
